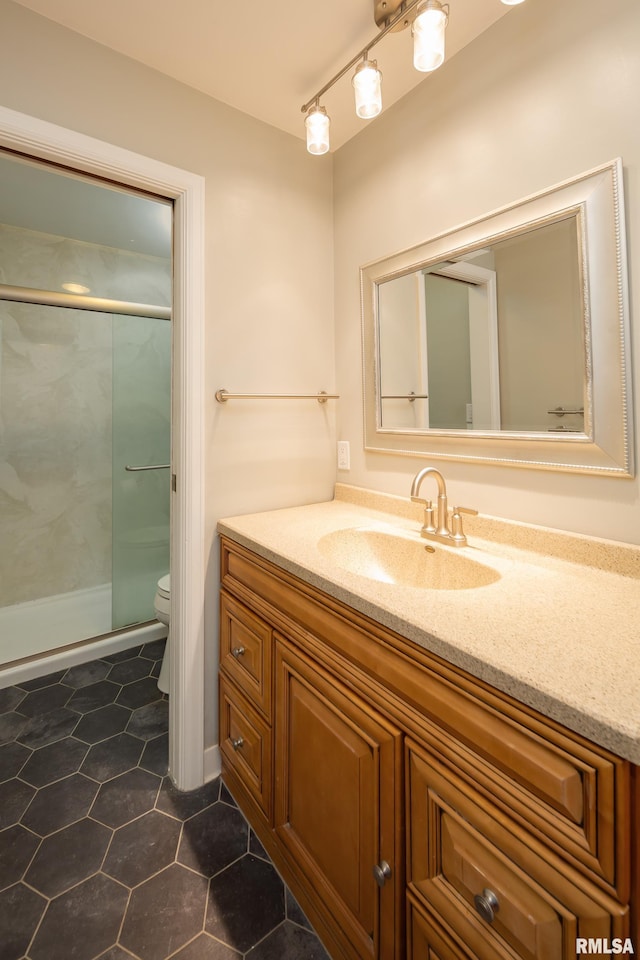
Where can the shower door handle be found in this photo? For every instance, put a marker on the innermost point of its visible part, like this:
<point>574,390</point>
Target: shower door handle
<point>155,466</point>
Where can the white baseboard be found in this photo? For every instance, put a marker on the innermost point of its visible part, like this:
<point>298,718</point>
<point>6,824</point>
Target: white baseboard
<point>212,763</point>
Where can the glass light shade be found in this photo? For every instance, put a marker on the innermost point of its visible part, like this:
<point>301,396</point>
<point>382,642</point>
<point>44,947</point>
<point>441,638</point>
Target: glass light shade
<point>317,124</point>
<point>512,3</point>
<point>428,36</point>
<point>367,83</point>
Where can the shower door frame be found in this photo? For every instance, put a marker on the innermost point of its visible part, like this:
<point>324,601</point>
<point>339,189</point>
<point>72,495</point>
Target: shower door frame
<point>42,140</point>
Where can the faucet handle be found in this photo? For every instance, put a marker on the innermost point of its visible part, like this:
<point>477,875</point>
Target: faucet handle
<point>429,523</point>
<point>457,532</point>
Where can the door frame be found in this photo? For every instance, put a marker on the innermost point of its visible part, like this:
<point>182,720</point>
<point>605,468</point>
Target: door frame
<point>47,141</point>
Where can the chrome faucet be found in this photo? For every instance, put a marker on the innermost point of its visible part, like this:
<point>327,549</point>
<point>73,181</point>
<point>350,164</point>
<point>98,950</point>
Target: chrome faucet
<point>436,520</point>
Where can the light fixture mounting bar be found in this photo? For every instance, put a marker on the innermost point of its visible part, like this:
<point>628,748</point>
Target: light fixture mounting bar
<point>405,8</point>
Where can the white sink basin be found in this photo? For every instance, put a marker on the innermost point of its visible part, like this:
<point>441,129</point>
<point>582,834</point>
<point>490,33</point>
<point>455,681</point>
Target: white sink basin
<point>392,558</point>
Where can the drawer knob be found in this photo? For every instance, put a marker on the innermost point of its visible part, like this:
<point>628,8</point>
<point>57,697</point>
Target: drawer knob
<point>382,872</point>
<point>237,652</point>
<point>487,904</point>
<point>237,743</point>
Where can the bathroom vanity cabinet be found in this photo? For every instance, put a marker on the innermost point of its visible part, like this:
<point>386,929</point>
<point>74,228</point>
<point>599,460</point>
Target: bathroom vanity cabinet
<point>414,810</point>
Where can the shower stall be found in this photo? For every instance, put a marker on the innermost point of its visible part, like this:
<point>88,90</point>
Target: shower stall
<point>85,413</point>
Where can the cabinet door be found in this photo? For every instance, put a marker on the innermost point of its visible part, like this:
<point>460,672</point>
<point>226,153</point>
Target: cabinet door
<point>337,804</point>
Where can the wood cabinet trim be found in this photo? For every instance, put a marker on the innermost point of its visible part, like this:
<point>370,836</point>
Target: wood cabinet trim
<point>634,854</point>
<point>427,940</point>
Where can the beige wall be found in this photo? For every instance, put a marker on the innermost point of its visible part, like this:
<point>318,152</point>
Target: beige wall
<point>548,92</point>
<point>269,297</point>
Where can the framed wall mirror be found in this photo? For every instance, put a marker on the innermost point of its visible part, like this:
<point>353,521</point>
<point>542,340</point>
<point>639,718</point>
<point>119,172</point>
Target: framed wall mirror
<point>506,340</point>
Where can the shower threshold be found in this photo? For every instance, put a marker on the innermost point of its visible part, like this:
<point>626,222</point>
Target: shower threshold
<point>55,632</point>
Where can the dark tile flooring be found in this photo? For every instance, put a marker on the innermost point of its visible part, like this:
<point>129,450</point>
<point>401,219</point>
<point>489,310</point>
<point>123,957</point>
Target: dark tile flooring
<point>101,857</point>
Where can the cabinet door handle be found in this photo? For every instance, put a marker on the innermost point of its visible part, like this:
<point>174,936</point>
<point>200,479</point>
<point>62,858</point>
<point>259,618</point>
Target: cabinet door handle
<point>237,652</point>
<point>236,744</point>
<point>382,872</point>
<point>487,904</point>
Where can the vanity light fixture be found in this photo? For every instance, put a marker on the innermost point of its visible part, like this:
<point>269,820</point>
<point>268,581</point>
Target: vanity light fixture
<point>367,84</point>
<point>428,35</point>
<point>428,21</point>
<point>317,124</point>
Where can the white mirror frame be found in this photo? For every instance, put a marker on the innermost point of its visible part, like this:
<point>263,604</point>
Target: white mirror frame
<point>606,445</point>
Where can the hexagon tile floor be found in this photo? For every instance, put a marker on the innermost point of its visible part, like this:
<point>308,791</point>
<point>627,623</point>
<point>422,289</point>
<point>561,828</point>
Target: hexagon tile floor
<point>100,856</point>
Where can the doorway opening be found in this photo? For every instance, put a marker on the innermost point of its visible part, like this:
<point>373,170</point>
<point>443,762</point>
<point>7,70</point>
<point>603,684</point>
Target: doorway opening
<point>41,141</point>
<point>85,395</point>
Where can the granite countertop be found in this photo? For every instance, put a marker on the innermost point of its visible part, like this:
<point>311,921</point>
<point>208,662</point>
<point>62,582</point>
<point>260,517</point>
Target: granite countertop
<point>558,628</point>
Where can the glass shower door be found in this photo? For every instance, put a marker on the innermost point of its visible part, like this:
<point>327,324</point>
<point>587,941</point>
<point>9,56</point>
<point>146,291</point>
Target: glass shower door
<point>141,438</point>
<point>55,478</point>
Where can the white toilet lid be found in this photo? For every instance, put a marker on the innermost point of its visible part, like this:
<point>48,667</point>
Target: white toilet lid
<point>164,586</point>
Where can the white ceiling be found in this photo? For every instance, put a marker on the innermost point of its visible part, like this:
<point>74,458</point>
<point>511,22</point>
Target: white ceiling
<point>265,59</point>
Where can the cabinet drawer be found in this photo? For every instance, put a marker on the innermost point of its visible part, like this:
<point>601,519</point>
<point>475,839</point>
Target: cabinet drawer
<point>565,792</point>
<point>245,651</point>
<point>461,848</point>
<point>245,744</point>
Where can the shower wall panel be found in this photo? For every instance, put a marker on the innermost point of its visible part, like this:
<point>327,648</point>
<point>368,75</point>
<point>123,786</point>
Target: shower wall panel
<point>56,410</point>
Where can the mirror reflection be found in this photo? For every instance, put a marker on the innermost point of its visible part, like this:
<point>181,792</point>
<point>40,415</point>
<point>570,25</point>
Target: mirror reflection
<point>494,338</point>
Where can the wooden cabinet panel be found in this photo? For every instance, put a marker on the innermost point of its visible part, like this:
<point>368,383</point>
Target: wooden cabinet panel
<point>426,940</point>
<point>459,847</point>
<point>245,744</point>
<point>245,651</point>
<point>336,802</point>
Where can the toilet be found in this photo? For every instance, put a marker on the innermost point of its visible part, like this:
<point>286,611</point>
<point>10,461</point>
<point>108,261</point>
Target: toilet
<point>162,607</point>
